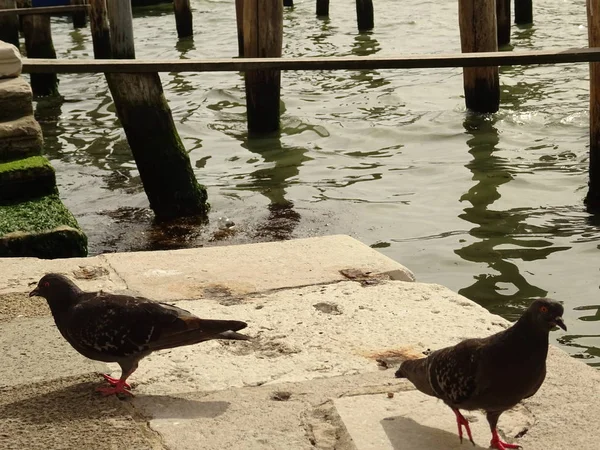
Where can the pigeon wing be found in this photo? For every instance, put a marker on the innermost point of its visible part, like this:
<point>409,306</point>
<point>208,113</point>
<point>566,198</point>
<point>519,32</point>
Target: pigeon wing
<point>119,325</point>
<point>453,372</point>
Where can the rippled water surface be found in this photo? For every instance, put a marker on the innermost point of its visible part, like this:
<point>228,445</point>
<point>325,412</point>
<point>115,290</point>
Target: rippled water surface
<point>489,206</point>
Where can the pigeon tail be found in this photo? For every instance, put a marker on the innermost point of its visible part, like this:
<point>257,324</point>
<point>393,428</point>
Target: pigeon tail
<point>200,330</point>
<point>232,336</point>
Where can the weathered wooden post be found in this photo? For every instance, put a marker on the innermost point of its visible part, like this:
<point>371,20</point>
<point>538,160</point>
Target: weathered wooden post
<point>22,4</point>
<point>161,159</point>
<point>79,17</point>
<point>263,37</point>
<point>592,198</point>
<point>100,29</point>
<point>38,44</point>
<point>239,18</point>
<point>523,12</point>
<point>288,3</point>
<point>183,18</point>
<point>9,25</point>
<point>477,20</point>
<point>322,8</point>
<point>364,15</point>
<point>121,29</point>
<point>503,21</point>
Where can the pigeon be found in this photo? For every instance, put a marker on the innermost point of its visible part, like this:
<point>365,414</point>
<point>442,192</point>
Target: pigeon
<point>123,328</point>
<point>493,373</point>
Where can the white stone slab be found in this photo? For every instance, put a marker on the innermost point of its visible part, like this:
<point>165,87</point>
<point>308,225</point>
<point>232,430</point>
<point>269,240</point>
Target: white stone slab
<point>10,60</point>
<point>294,340</point>
<point>414,421</point>
<point>241,269</point>
<point>34,351</point>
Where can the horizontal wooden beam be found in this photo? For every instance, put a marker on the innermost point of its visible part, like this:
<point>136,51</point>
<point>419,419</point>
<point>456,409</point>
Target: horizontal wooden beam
<point>574,55</point>
<point>43,10</point>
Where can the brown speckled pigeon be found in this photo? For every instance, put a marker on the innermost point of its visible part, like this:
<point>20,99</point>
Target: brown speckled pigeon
<point>493,373</point>
<point>122,328</point>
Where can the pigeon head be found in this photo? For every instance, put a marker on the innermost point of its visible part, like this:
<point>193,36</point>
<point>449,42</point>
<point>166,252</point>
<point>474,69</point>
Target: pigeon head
<point>58,290</point>
<point>546,314</point>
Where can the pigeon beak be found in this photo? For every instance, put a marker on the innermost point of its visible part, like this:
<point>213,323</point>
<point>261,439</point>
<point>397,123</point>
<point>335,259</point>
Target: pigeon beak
<point>559,322</point>
<point>34,292</point>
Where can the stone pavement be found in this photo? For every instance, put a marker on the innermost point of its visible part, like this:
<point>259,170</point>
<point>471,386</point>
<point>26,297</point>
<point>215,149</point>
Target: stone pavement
<point>322,312</point>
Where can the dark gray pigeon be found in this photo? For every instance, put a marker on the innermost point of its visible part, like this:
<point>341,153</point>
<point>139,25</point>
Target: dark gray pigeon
<point>122,328</point>
<point>494,373</point>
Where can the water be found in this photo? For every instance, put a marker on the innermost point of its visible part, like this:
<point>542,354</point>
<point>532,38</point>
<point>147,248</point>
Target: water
<point>490,206</point>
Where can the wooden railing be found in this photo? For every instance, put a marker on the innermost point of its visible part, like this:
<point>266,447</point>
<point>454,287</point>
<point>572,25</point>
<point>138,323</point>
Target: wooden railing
<point>558,56</point>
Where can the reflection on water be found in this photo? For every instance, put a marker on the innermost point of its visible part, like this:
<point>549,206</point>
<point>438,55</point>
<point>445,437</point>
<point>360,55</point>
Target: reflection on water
<point>365,44</point>
<point>490,206</point>
<point>506,289</point>
<point>282,167</point>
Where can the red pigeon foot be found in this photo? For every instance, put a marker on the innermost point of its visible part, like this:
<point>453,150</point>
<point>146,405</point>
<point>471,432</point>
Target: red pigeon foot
<point>114,381</point>
<point>118,388</point>
<point>498,444</point>
<point>460,421</point>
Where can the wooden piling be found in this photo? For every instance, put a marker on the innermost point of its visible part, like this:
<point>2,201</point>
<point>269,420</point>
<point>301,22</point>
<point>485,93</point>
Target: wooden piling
<point>9,25</point>
<point>263,37</point>
<point>100,29</point>
<point>79,17</point>
<point>322,8</point>
<point>503,21</point>
<point>183,18</point>
<point>239,18</point>
<point>38,44</point>
<point>592,199</point>
<point>364,15</point>
<point>144,113</point>
<point>523,12</point>
<point>477,20</point>
<point>121,29</point>
<point>22,4</point>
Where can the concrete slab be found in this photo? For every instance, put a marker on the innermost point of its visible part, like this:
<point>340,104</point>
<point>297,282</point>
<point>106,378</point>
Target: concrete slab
<point>413,421</point>
<point>33,351</point>
<point>242,269</point>
<point>67,414</point>
<point>297,416</point>
<point>294,340</point>
<point>94,273</point>
<point>566,408</point>
<point>17,305</point>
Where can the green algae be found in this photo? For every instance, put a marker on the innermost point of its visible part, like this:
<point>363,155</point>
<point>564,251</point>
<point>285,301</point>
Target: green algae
<point>36,215</point>
<point>27,178</point>
<point>42,227</point>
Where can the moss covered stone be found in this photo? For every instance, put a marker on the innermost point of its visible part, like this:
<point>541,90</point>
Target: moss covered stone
<point>42,227</point>
<point>27,178</point>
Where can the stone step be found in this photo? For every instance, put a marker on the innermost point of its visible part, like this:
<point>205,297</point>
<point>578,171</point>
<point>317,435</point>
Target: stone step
<point>27,178</point>
<point>42,228</point>
<point>20,138</point>
<point>15,99</point>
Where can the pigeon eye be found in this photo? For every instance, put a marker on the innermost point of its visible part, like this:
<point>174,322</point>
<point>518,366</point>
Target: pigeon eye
<point>46,284</point>
<point>543,309</point>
